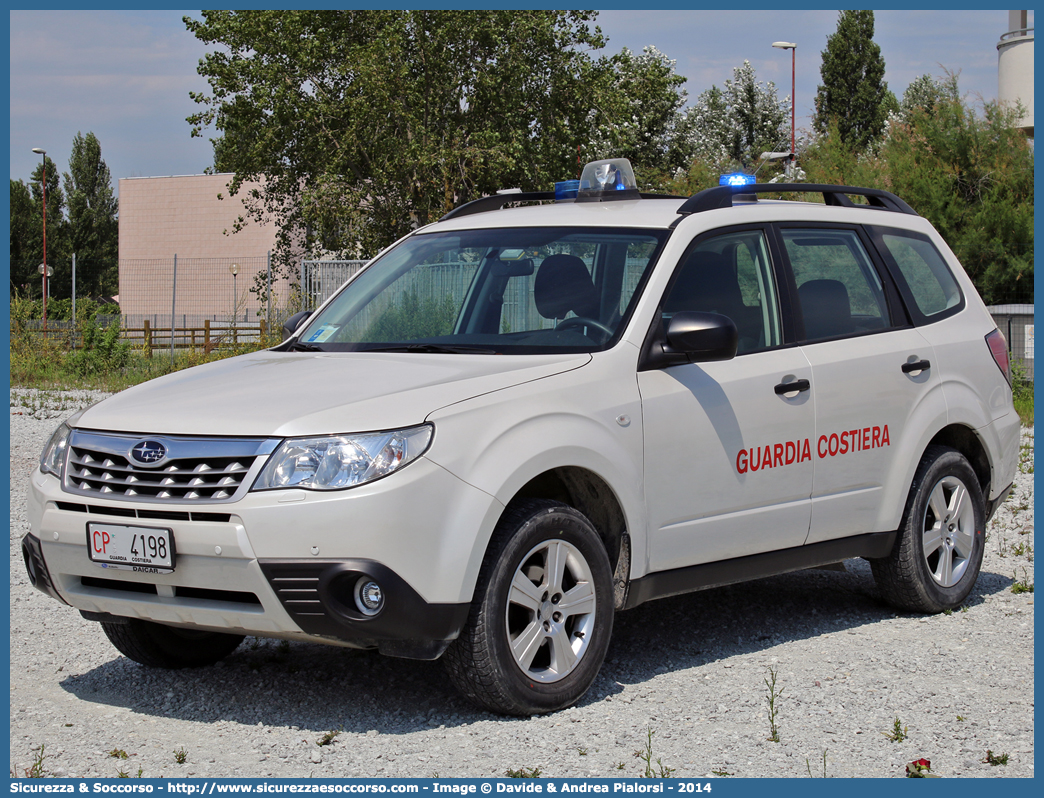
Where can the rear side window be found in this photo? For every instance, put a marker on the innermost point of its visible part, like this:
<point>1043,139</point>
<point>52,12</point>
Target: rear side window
<point>839,290</point>
<point>928,278</point>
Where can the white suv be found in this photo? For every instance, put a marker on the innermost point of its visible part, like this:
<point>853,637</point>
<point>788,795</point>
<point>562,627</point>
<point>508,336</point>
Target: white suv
<point>515,422</point>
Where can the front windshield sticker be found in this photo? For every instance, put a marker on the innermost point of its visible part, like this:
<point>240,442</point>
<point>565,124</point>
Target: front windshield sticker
<point>323,333</point>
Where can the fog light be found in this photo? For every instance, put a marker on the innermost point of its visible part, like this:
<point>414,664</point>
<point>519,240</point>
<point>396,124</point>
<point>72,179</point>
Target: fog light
<point>369,597</point>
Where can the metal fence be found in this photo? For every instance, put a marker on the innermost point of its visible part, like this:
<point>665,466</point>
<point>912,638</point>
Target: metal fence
<point>184,302</point>
<point>320,279</point>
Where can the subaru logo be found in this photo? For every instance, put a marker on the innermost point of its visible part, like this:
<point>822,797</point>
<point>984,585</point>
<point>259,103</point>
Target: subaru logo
<point>149,452</point>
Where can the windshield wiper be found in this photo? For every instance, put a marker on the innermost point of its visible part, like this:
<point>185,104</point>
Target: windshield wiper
<point>451,349</point>
<point>303,346</point>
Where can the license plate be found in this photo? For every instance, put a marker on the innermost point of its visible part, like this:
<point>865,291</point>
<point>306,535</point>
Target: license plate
<point>131,548</point>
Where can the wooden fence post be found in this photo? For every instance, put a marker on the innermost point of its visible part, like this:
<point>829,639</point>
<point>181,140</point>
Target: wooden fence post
<point>148,338</point>
<point>206,336</point>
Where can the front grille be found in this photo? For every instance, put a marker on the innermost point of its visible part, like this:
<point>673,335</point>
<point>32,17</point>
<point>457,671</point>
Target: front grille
<point>193,470</point>
<point>155,515</point>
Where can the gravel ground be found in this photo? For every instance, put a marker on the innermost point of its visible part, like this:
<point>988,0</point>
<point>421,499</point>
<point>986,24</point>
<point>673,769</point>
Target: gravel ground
<point>692,670</point>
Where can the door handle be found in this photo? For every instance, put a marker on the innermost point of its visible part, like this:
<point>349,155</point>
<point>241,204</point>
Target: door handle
<point>920,365</point>
<point>790,387</point>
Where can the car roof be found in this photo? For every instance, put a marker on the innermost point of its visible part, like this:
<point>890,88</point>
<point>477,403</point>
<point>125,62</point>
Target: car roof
<point>663,213</point>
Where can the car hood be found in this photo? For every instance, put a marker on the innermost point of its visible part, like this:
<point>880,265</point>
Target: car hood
<point>282,394</point>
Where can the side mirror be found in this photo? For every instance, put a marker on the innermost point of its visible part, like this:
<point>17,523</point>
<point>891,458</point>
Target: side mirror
<point>290,325</point>
<point>702,336</point>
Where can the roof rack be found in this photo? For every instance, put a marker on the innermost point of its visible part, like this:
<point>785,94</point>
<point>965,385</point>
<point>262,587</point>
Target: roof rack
<point>722,196</point>
<point>498,201</point>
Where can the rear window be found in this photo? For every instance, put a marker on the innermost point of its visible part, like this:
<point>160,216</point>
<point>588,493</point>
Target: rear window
<point>932,287</point>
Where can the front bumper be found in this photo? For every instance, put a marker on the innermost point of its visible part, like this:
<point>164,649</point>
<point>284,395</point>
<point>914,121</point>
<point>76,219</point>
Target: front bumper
<point>282,563</point>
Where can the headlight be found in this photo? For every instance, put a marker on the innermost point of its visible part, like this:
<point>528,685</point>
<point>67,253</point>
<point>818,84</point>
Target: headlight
<point>342,461</point>
<point>52,461</point>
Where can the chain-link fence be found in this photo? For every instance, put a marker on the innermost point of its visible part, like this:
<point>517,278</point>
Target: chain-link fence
<point>202,300</point>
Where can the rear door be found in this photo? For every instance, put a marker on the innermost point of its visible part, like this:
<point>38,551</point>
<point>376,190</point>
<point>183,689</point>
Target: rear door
<point>871,370</point>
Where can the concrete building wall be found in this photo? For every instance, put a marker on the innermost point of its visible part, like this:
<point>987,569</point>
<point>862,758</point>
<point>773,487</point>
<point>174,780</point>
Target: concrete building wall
<point>164,217</point>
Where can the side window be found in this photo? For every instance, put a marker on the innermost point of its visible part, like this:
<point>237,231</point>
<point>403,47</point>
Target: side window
<point>931,284</point>
<point>839,290</point>
<point>730,274</point>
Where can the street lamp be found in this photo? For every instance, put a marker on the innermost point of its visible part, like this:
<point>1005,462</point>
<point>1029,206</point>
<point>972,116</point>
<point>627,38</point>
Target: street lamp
<point>234,269</point>
<point>793,88</point>
<point>43,184</point>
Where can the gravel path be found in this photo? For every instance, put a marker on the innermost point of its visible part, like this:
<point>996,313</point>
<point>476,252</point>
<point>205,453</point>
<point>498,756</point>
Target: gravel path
<point>691,669</point>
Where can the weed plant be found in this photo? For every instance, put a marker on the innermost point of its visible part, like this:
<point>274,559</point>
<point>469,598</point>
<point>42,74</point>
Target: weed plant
<point>657,771</point>
<point>898,732</point>
<point>773,699</point>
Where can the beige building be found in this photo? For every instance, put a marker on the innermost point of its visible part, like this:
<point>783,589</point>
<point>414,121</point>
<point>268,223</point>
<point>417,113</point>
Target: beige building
<point>191,217</point>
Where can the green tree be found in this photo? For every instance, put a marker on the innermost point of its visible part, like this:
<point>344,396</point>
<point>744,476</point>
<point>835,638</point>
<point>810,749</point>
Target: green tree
<point>971,175</point>
<point>729,128</point>
<point>27,232</point>
<point>921,95</point>
<point>24,229</point>
<point>968,171</point>
<point>853,91</point>
<point>360,125</point>
<point>93,224</point>
<point>639,116</point>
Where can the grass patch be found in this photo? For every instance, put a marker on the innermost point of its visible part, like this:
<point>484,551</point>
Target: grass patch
<point>1022,392</point>
<point>328,738</point>
<point>1023,586</point>
<point>49,365</point>
<point>523,773</point>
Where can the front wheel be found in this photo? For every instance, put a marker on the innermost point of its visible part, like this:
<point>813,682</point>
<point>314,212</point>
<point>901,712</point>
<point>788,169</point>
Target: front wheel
<point>542,616</point>
<point>938,554</point>
<point>160,646</point>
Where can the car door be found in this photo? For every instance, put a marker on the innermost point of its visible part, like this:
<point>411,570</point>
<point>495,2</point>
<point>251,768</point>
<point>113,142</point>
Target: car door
<point>728,460</point>
<point>871,369</point>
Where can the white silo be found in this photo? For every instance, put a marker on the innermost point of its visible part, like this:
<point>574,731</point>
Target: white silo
<point>1015,67</point>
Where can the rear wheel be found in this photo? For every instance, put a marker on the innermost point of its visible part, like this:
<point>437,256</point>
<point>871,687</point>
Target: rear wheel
<point>938,554</point>
<point>160,646</point>
<point>542,616</point>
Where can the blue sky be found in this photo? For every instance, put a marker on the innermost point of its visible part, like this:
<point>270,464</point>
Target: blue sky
<point>126,75</point>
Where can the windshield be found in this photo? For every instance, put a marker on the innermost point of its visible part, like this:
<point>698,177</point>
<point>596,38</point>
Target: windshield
<point>512,290</point>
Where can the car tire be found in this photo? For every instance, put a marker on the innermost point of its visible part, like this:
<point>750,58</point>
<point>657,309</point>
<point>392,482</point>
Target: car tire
<point>536,635</point>
<point>938,553</point>
<point>160,646</point>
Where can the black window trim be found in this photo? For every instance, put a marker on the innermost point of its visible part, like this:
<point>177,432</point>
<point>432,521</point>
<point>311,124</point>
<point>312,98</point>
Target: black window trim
<point>898,317</point>
<point>653,357</point>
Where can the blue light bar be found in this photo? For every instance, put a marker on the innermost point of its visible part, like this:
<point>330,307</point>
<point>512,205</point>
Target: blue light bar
<point>611,179</point>
<point>567,189</point>
<point>736,179</point>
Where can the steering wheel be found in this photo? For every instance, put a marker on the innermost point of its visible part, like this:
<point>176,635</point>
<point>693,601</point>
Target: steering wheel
<point>586,321</point>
